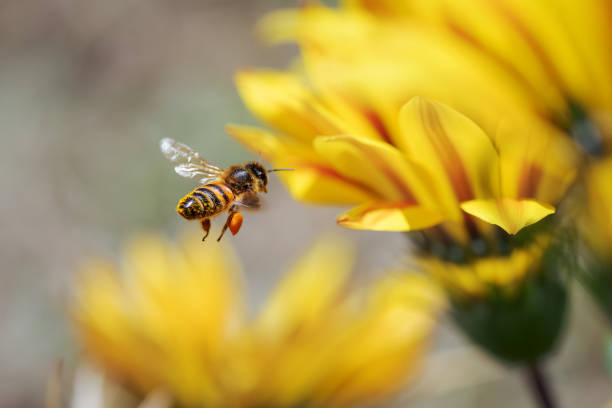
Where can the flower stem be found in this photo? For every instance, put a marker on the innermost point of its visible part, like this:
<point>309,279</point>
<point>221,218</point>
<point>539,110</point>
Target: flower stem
<point>539,386</point>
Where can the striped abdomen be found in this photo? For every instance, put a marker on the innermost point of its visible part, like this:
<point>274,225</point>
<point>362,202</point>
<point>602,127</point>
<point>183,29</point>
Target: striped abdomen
<point>206,201</point>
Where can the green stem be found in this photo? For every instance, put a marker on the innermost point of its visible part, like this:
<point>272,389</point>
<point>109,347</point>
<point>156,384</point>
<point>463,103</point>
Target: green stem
<point>539,386</point>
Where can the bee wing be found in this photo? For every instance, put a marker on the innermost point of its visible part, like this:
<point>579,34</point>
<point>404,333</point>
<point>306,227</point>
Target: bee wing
<point>188,163</point>
<point>249,200</point>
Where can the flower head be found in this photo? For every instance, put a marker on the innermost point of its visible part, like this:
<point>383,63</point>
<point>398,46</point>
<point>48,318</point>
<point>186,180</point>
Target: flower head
<point>354,132</point>
<point>174,320</point>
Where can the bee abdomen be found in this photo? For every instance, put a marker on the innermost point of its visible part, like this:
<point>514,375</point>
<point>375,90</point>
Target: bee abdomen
<point>205,201</point>
<point>222,192</point>
<point>190,207</point>
<point>220,195</point>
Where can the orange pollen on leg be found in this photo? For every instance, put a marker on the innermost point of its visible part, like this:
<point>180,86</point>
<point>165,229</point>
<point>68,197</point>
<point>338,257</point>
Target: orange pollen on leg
<point>235,223</point>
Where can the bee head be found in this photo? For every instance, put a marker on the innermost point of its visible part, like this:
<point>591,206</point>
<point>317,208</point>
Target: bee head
<point>260,176</point>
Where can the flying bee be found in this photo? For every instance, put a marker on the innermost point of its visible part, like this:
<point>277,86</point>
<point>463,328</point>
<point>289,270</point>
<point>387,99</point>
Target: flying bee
<point>221,190</point>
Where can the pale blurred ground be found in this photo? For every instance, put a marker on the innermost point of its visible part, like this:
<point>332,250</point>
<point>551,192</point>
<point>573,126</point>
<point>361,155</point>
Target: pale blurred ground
<point>87,88</point>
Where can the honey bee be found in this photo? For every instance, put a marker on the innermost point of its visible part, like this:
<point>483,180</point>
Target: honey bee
<point>221,190</point>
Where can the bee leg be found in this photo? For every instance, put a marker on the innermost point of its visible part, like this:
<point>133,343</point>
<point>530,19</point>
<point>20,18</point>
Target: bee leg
<point>206,227</point>
<point>233,222</point>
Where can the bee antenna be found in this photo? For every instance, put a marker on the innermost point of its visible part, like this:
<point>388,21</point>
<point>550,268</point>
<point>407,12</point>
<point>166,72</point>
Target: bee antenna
<point>272,170</point>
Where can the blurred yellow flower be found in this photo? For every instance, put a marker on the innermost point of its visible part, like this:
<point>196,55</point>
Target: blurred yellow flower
<point>173,319</point>
<point>351,127</point>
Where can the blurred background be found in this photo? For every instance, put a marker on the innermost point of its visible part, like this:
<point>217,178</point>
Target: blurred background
<point>87,89</point>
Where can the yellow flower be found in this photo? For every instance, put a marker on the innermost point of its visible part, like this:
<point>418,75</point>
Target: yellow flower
<point>354,133</point>
<point>174,320</point>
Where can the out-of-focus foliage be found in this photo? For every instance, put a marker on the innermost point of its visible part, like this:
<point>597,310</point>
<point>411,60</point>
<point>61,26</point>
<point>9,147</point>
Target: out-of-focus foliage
<point>173,319</point>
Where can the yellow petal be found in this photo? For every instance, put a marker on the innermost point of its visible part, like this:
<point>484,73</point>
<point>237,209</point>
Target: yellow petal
<point>390,216</point>
<point>535,162</point>
<point>313,179</point>
<point>596,221</point>
<point>283,101</point>
<point>543,27</point>
<point>501,29</point>
<point>218,289</point>
<point>409,289</point>
<point>383,167</point>
<point>279,26</point>
<point>311,288</point>
<point>510,214</point>
<point>388,341</point>
<point>383,8</point>
<point>457,153</point>
<point>589,27</point>
<point>372,61</point>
